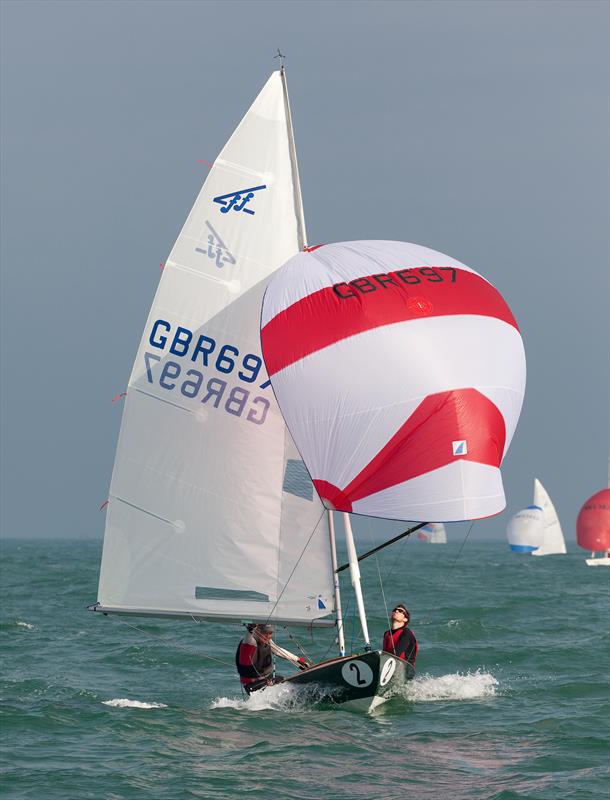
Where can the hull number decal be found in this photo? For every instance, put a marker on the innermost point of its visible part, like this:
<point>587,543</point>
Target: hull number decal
<point>388,670</point>
<point>357,673</point>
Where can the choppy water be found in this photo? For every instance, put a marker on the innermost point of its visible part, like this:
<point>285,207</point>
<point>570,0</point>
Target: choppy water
<point>511,698</point>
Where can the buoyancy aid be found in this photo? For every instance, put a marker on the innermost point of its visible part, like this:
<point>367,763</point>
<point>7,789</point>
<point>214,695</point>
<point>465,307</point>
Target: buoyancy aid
<point>253,660</point>
<point>402,643</point>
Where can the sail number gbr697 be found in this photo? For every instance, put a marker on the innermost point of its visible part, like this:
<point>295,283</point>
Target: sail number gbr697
<point>190,375</point>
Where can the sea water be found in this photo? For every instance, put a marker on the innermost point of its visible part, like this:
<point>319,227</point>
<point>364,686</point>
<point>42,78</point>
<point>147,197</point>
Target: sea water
<point>510,699</point>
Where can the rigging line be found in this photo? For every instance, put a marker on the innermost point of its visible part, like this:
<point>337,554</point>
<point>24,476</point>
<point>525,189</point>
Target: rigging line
<point>297,564</point>
<point>385,602</point>
<point>388,576</point>
<point>396,561</point>
<point>298,644</point>
<point>335,639</point>
<point>171,642</point>
<point>442,589</point>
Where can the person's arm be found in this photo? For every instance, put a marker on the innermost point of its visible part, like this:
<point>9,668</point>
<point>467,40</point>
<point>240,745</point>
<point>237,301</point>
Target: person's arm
<point>300,662</point>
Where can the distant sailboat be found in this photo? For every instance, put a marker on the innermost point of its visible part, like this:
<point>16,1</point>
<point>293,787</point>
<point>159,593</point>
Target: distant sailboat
<point>553,542</point>
<point>433,533</point>
<point>524,531</point>
<point>536,529</point>
<point>593,527</point>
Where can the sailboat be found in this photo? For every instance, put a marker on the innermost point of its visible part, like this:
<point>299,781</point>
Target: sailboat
<point>593,527</point>
<point>536,529</point>
<point>433,533</point>
<point>553,542</point>
<point>212,512</point>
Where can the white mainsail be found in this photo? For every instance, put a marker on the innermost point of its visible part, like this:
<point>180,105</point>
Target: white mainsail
<point>553,542</point>
<point>212,513</point>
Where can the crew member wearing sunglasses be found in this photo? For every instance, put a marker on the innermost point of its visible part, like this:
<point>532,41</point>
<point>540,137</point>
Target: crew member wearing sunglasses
<point>400,639</point>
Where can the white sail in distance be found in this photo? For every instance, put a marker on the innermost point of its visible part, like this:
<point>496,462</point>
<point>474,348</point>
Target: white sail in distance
<point>433,533</point>
<point>553,542</point>
<point>438,533</point>
<point>211,511</point>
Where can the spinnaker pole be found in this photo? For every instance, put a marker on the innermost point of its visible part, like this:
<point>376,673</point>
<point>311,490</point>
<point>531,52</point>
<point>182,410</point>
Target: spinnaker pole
<point>354,570</point>
<point>339,612</point>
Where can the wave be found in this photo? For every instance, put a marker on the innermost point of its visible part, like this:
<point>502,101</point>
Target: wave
<point>282,697</point>
<point>455,686</point>
<point>124,702</point>
<point>27,625</point>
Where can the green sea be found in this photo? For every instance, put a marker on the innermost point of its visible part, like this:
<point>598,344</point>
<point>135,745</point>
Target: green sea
<point>510,700</point>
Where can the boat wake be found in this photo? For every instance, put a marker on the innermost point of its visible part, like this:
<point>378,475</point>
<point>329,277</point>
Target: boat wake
<point>283,697</point>
<point>455,686</point>
<point>124,702</point>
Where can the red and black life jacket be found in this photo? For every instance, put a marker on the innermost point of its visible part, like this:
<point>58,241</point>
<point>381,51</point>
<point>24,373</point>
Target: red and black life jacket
<point>253,662</point>
<point>401,643</point>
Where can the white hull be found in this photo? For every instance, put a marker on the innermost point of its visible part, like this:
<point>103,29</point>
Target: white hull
<point>604,561</point>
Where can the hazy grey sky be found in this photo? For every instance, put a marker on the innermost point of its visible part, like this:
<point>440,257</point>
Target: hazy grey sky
<point>477,128</point>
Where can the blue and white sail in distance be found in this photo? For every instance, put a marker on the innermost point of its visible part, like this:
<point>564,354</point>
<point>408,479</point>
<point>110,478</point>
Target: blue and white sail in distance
<point>536,529</point>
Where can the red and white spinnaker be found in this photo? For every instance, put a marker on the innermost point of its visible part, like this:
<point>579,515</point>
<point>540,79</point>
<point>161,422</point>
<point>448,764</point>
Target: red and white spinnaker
<point>400,373</point>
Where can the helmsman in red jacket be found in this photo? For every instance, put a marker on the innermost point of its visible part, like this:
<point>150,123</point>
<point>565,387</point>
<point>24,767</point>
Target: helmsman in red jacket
<point>400,639</point>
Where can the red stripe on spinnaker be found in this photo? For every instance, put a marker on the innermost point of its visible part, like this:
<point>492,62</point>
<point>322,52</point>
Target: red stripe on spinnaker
<point>424,443</point>
<point>324,318</point>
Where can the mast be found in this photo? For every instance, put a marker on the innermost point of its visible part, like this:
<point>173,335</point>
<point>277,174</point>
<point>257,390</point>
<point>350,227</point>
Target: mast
<point>302,238</point>
<point>296,182</point>
<point>354,570</point>
<point>339,612</point>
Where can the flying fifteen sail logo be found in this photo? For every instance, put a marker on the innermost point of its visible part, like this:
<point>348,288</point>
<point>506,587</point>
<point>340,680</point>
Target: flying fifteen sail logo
<point>460,448</point>
<point>216,249</point>
<point>237,200</point>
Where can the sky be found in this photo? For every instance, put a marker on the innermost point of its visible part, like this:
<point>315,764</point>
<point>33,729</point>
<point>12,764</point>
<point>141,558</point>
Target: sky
<point>479,129</point>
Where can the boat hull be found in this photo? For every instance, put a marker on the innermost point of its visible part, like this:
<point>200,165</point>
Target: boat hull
<point>364,680</point>
<point>604,561</point>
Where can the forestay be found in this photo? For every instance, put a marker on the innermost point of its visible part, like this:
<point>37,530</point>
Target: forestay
<point>211,507</point>
<point>400,373</point>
